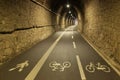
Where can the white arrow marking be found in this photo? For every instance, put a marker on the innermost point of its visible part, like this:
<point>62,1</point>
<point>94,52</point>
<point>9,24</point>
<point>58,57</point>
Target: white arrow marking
<point>20,66</point>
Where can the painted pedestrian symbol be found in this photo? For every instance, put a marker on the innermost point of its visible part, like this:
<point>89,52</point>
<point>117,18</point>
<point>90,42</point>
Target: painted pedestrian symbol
<point>92,67</point>
<point>20,66</point>
<point>60,67</point>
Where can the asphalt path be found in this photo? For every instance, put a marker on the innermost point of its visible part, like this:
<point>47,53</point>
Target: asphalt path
<point>63,56</point>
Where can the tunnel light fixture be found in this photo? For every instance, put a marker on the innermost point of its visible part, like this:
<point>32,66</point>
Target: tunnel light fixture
<point>69,12</point>
<point>68,5</point>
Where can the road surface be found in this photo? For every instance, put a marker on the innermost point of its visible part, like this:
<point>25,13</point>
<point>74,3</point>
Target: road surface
<point>63,56</point>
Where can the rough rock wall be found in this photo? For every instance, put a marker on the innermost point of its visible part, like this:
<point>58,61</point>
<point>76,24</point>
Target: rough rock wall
<point>80,23</point>
<point>23,23</point>
<point>102,25</point>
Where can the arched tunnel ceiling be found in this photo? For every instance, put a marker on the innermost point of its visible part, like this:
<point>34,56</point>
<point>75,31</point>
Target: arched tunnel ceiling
<point>59,6</point>
<point>56,4</point>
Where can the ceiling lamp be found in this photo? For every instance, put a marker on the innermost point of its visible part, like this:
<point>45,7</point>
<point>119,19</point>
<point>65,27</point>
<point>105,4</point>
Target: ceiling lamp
<point>68,5</point>
<point>69,12</point>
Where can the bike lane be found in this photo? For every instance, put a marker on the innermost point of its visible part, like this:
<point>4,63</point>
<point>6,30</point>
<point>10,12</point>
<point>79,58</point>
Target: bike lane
<point>89,56</point>
<point>32,56</point>
<point>61,64</point>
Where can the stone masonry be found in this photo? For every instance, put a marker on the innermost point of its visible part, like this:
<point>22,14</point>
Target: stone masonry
<point>102,26</point>
<point>18,19</point>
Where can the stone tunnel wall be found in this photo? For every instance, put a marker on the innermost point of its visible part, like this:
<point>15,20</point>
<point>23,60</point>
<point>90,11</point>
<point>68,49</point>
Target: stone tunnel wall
<point>102,26</point>
<point>23,23</point>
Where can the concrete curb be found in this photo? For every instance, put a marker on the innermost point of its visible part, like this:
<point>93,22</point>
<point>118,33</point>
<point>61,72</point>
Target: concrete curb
<point>114,65</point>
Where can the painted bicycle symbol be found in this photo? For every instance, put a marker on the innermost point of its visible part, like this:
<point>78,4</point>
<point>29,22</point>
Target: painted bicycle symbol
<point>57,66</point>
<point>91,67</point>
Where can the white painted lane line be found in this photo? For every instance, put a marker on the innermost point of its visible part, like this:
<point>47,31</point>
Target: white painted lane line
<point>82,74</point>
<point>74,45</point>
<point>107,59</point>
<point>38,66</point>
<point>72,37</point>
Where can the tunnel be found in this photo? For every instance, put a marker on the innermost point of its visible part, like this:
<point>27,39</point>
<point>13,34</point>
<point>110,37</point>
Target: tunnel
<point>25,23</point>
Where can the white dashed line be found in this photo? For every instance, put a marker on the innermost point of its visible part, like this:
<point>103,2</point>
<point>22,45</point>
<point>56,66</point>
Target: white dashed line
<point>82,74</point>
<point>74,45</point>
<point>72,37</point>
<point>107,59</point>
<point>38,66</point>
